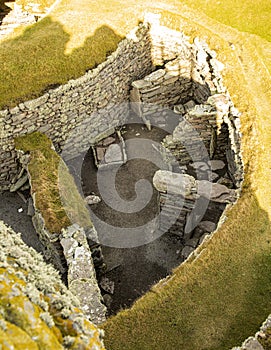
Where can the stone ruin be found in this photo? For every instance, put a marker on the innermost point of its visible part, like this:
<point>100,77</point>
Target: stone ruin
<point>158,69</point>
<point>202,116</point>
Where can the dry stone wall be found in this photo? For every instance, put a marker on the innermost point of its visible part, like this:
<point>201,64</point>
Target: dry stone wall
<point>87,104</point>
<point>179,195</point>
<point>37,310</point>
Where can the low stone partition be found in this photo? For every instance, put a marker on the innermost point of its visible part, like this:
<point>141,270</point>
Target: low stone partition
<point>62,222</point>
<point>164,87</point>
<point>81,273</point>
<point>180,194</point>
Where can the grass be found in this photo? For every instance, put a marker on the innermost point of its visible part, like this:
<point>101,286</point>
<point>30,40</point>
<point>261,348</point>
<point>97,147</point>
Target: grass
<point>56,195</point>
<point>78,35</point>
<point>216,301</point>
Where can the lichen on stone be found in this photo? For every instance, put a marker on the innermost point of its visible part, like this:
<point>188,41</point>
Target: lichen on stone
<point>37,311</point>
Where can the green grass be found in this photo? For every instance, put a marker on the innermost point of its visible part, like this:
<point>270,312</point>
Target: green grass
<point>78,35</point>
<point>56,195</point>
<point>252,16</point>
<point>217,300</point>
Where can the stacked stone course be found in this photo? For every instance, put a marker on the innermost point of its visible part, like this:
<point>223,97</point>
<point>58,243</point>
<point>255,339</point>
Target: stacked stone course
<point>87,104</point>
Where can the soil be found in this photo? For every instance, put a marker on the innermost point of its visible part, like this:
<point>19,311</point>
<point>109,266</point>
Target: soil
<point>133,270</point>
<point>13,211</point>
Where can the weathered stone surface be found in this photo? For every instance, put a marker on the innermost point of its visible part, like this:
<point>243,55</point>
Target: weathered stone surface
<point>217,164</point>
<point>92,199</point>
<point>107,285</point>
<point>113,154</point>
<point>207,226</point>
<point>216,192</point>
<point>15,187</point>
<point>182,184</point>
<point>43,313</point>
<point>186,251</point>
<point>81,273</point>
<point>108,141</point>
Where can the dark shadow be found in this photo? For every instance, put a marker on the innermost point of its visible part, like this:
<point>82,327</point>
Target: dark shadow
<point>4,10</point>
<point>13,211</point>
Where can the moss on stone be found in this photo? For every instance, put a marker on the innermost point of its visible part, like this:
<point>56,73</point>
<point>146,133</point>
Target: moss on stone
<point>56,195</point>
<point>32,300</point>
<point>266,339</point>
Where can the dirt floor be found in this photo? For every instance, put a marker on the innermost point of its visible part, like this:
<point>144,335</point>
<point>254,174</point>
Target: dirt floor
<point>13,211</point>
<point>133,270</point>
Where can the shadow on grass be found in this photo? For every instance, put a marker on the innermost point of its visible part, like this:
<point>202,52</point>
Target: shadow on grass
<point>23,58</point>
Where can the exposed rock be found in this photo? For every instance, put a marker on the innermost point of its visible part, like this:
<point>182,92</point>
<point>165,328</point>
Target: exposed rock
<point>100,153</point>
<point>107,285</point>
<point>92,199</point>
<point>186,251</point>
<point>182,184</point>
<point>38,310</point>
<point>216,192</point>
<point>108,141</point>
<point>81,273</point>
<point>15,187</point>
<point>30,207</point>
<point>217,164</point>
<point>207,226</point>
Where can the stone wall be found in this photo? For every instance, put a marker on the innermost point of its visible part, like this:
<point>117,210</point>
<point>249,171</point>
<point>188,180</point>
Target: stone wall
<point>87,104</point>
<point>37,310</point>
<point>215,125</point>
<point>87,109</point>
<point>180,194</point>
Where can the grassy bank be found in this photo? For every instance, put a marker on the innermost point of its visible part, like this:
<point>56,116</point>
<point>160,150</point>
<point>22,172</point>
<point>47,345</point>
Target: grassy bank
<point>217,300</point>
<point>56,195</point>
<point>78,35</point>
<point>222,297</point>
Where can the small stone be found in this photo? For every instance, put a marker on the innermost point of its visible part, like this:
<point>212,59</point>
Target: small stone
<point>15,187</point>
<point>113,154</point>
<point>108,141</point>
<point>100,153</point>
<point>179,109</point>
<point>155,76</point>
<point>30,207</point>
<point>92,199</point>
<point>213,176</point>
<point>189,105</point>
<point>199,166</point>
<point>141,84</point>
<point>186,252</point>
<point>217,164</point>
<point>207,226</point>
<point>192,242</point>
<point>107,285</point>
